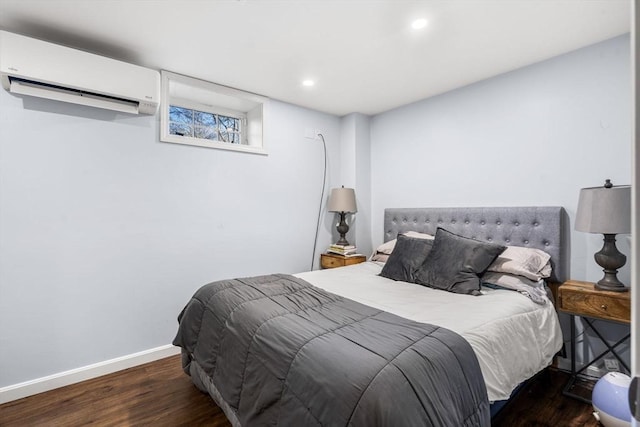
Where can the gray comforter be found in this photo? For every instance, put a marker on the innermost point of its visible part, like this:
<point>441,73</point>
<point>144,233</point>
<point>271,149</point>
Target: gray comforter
<point>283,352</point>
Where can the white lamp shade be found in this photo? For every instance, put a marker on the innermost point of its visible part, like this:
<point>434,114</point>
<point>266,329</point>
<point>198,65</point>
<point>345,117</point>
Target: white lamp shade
<point>604,210</point>
<point>342,200</point>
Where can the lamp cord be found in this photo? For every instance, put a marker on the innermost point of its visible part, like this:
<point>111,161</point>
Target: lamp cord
<point>324,180</point>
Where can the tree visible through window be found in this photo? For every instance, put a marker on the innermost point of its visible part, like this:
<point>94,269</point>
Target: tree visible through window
<point>204,125</point>
<point>205,114</point>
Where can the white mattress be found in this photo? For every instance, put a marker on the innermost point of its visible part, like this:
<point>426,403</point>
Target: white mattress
<point>513,337</point>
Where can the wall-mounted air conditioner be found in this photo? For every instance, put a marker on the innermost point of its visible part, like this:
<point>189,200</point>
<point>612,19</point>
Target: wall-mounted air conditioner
<point>34,67</point>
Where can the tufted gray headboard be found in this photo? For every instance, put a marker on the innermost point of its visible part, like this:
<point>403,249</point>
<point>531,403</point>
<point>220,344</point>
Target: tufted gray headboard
<point>535,227</point>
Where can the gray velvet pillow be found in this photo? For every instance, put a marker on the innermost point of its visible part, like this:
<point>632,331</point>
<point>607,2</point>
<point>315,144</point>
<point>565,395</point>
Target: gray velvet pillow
<point>455,262</point>
<point>407,256</point>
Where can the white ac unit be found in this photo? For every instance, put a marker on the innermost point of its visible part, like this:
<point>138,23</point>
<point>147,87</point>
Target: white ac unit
<point>34,67</point>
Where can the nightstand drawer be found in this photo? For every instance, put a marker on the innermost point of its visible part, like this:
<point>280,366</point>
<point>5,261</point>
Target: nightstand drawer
<point>580,298</point>
<point>333,261</point>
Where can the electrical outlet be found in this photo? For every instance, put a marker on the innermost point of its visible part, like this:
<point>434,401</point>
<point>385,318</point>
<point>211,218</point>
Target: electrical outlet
<point>317,133</point>
<point>611,365</point>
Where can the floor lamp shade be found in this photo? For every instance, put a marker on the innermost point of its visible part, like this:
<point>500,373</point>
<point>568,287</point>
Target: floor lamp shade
<point>343,201</point>
<point>606,210</point>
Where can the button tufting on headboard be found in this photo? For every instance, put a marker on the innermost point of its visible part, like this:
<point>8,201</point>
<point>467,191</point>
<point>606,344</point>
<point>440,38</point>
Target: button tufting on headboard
<point>536,227</point>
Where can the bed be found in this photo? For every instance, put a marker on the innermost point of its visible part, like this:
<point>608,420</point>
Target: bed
<point>348,346</point>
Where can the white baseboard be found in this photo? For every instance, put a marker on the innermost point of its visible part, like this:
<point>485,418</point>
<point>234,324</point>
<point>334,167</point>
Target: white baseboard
<point>39,385</point>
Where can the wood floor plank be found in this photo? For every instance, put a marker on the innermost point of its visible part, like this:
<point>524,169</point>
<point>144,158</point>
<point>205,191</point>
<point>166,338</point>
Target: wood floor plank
<point>542,404</point>
<point>157,393</point>
<point>160,394</point>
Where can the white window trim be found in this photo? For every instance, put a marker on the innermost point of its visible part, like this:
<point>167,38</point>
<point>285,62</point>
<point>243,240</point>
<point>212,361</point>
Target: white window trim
<point>166,100</point>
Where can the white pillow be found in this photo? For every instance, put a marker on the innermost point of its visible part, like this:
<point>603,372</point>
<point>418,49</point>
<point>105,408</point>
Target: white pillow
<point>379,256</point>
<point>382,252</point>
<point>535,290</point>
<point>528,262</point>
<point>387,247</point>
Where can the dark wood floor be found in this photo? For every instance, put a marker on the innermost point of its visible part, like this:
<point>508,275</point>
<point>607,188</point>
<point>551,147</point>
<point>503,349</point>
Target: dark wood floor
<point>541,403</point>
<point>159,393</point>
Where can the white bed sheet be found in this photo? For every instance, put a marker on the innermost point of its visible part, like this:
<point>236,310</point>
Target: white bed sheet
<point>513,337</point>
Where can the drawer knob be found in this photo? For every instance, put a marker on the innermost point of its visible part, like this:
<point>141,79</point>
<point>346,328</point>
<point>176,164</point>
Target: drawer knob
<point>603,306</point>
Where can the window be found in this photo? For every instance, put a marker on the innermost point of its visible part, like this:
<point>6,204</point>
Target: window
<point>204,125</point>
<point>196,112</point>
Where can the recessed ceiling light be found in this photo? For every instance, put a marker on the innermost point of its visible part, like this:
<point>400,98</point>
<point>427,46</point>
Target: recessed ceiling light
<point>419,24</point>
<point>308,83</point>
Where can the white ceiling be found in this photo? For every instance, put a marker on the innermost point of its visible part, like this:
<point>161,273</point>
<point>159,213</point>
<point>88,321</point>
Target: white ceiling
<point>363,54</point>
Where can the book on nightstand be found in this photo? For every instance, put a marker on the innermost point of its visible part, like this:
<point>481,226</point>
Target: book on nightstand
<point>348,250</point>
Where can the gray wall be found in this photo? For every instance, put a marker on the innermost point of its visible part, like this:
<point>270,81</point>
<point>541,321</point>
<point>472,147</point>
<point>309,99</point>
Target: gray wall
<point>534,136</point>
<point>105,232</point>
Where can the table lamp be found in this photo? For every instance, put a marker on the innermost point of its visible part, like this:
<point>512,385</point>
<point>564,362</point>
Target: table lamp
<point>343,201</point>
<point>606,210</point>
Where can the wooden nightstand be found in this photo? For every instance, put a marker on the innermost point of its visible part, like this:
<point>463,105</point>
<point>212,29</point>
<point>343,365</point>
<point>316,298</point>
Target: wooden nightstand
<point>582,299</point>
<point>335,260</point>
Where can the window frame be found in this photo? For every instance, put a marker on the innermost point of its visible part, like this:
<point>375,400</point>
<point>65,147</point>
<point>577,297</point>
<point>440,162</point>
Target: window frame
<point>251,142</point>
